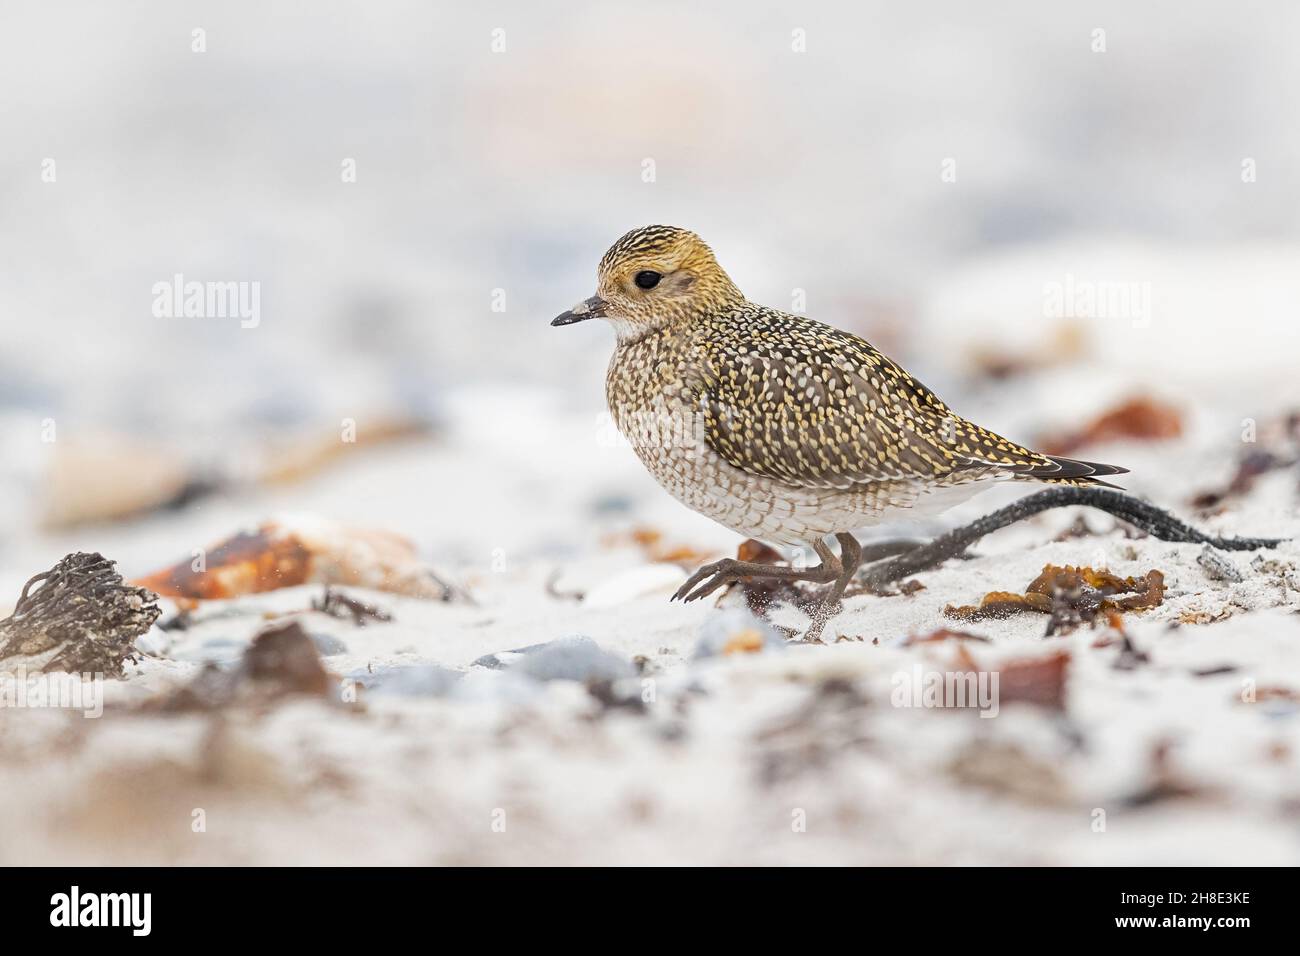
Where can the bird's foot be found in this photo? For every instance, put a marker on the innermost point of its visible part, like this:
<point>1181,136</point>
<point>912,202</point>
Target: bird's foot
<point>831,603</point>
<point>820,615</point>
<point>707,580</point>
<point>713,576</point>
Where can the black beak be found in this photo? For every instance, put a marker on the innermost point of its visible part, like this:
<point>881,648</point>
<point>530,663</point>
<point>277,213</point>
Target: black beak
<point>593,308</point>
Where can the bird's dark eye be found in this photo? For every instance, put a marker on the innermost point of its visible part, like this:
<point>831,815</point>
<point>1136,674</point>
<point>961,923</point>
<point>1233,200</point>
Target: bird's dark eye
<point>647,279</point>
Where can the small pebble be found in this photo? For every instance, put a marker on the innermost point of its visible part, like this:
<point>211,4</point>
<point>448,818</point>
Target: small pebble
<point>1218,566</point>
<point>736,631</point>
<point>420,680</point>
<point>569,658</point>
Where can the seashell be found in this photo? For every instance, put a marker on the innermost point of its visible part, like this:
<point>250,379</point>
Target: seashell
<point>286,552</point>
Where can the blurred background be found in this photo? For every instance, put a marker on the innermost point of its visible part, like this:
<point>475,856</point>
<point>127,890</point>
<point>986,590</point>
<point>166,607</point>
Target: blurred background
<point>416,189</point>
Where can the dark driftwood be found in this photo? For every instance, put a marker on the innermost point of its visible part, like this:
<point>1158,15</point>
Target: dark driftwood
<point>79,616</point>
<point>1145,517</point>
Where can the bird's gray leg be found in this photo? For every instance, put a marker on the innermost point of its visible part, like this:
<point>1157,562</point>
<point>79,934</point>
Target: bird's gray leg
<point>850,558</point>
<point>727,570</point>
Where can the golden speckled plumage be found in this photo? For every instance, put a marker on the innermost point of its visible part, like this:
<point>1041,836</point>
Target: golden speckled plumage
<point>780,427</point>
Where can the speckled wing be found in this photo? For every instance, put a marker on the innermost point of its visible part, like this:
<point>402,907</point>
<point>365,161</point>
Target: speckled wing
<point>811,406</point>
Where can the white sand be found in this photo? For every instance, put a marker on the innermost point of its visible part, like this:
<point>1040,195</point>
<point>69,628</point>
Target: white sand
<point>731,753</point>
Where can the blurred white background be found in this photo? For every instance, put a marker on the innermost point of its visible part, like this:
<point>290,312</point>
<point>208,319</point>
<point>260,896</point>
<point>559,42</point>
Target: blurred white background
<point>481,170</point>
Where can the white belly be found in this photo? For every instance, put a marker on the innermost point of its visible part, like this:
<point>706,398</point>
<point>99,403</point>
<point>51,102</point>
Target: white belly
<point>759,507</point>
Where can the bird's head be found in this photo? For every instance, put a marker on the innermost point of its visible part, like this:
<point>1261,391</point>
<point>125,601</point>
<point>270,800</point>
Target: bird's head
<point>654,276</point>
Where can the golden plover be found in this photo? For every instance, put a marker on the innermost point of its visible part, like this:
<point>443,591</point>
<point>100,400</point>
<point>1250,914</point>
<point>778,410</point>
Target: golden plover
<point>779,427</point>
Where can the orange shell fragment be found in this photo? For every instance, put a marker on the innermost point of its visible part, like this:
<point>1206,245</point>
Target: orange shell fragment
<point>748,641</point>
<point>281,554</point>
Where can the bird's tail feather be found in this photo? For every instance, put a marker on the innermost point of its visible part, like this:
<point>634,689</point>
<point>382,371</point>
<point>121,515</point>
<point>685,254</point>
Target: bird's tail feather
<point>1071,471</point>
